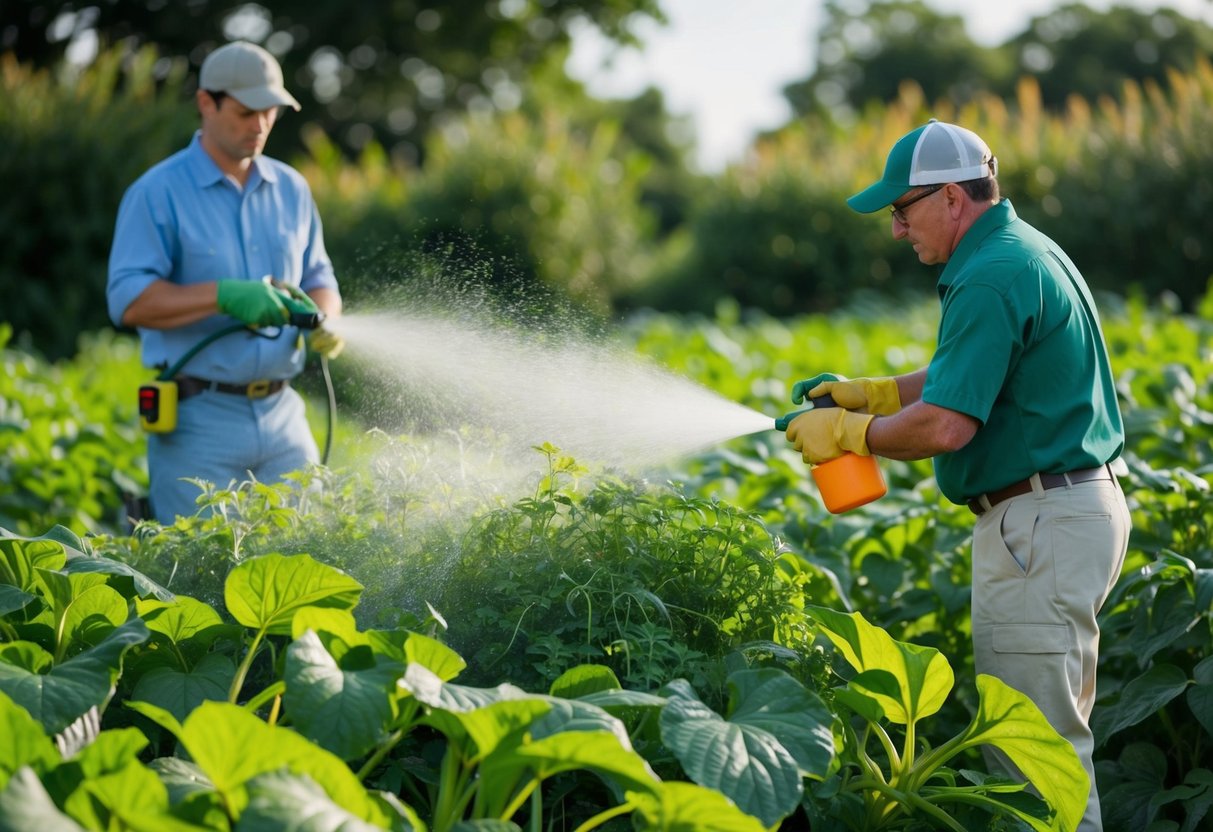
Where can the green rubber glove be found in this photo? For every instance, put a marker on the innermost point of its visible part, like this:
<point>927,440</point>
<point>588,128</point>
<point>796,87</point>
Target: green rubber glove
<point>296,299</point>
<point>826,433</point>
<point>800,390</point>
<point>878,396</point>
<point>255,302</point>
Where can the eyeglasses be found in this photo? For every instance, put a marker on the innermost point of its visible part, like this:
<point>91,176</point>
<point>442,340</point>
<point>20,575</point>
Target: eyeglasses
<point>899,211</point>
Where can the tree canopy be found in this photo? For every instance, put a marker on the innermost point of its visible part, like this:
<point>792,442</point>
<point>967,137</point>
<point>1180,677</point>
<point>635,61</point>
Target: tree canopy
<point>362,71</point>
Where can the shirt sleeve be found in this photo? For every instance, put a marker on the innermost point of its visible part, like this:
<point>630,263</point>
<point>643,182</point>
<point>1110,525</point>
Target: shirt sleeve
<point>317,268</point>
<point>141,252</point>
<point>978,342</point>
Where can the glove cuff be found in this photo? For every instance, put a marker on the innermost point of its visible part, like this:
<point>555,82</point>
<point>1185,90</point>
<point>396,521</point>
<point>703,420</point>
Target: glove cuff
<point>851,432</point>
<point>883,397</point>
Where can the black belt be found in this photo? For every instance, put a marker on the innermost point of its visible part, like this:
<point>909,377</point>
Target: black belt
<point>1047,481</point>
<point>190,386</point>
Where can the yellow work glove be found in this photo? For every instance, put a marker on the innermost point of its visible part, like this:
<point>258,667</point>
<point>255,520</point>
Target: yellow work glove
<point>878,396</point>
<point>325,342</point>
<point>825,433</point>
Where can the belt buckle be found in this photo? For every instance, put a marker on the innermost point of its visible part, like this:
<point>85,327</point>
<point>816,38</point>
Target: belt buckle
<point>258,389</point>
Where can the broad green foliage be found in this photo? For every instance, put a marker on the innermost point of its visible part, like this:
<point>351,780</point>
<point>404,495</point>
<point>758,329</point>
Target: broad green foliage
<point>708,607</point>
<point>903,684</point>
<point>69,441</point>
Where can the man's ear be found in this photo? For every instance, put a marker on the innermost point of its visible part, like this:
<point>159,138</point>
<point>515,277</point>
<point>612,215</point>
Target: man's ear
<point>206,104</point>
<point>956,198</point>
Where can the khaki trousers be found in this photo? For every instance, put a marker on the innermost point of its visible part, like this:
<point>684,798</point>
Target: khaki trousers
<point>1043,564</point>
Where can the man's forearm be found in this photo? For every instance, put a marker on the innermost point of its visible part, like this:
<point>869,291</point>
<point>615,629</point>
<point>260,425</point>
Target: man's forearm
<point>909,386</point>
<point>165,305</point>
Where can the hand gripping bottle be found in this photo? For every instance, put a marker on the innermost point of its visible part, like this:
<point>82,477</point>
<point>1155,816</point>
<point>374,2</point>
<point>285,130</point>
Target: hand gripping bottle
<point>848,481</point>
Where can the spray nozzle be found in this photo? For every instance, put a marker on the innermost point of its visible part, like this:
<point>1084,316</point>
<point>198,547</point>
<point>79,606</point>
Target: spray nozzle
<point>306,320</point>
<point>821,401</point>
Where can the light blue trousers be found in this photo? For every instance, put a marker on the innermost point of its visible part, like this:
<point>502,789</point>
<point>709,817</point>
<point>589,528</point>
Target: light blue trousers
<point>221,438</point>
<point>1043,564</point>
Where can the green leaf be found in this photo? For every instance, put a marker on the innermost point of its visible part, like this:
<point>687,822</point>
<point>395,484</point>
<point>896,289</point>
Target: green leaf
<point>744,762</point>
<point>144,585</point>
<point>25,742</point>
<point>1012,723</point>
<point>231,746</point>
<point>923,674</point>
<point>112,750</point>
<point>444,662</point>
<point>115,798</point>
<point>1140,698</point>
<point>345,712</point>
<point>92,613</point>
<point>264,593</point>
<point>278,801</point>
<point>583,680</point>
<point>59,697</point>
<point>26,807</point>
<point>180,692</point>
<point>772,700</point>
<point>614,701</point>
<point>1196,796</point>
<point>682,807</point>
<point>13,599</point>
<point>599,751</point>
<point>177,620</point>
<point>19,557</point>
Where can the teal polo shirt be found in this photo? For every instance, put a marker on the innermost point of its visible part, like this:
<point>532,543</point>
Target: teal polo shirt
<point>1020,350</point>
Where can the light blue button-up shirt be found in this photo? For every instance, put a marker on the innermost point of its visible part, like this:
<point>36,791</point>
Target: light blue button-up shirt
<point>184,221</point>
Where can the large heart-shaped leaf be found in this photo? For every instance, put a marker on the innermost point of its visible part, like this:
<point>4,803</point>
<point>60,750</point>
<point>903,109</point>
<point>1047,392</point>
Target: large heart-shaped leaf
<point>180,692</point>
<point>1012,723</point>
<point>264,593</point>
<point>59,697</point>
<point>344,711</point>
<point>747,763</point>
<point>230,747</point>
<point>584,680</point>
<point>772,700</point>
<point>923,674</point>
<point>178,620</point>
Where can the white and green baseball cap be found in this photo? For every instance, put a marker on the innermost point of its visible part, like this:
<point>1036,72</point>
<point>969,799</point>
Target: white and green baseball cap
<point>248,74</point>
<point>934,154</point>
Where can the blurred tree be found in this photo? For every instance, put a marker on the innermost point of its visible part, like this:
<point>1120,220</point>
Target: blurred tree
<point>864,52</point>
<point>362,71</point>
<point>1076,50</point>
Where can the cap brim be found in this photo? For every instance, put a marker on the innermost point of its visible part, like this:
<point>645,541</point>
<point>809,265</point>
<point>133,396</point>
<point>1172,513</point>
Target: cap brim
<point>263,98</point>
<point>874,197</point>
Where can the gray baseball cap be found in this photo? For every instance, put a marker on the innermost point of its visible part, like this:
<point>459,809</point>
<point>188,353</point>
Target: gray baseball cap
<point>248,74</point>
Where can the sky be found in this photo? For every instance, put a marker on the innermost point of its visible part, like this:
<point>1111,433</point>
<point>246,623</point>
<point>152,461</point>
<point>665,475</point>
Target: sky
<point>723,63</point>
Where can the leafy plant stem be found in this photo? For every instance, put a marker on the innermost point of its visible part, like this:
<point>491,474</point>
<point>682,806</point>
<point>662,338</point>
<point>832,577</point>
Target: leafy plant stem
<point>384,748</point>
<point>602,817</point>
<point>238,681</point>
<point>523,794</point>
<point>266,695</point>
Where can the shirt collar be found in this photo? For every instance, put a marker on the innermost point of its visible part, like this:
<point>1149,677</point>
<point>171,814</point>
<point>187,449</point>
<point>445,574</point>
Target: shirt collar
<point>206,172</point>
<point>996,217</point>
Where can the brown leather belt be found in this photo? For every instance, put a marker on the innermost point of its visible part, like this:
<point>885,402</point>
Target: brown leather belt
<point>190,386</point>
<point>1047,481</point>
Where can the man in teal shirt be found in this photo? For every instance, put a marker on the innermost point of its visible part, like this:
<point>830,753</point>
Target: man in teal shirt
<point>1018,410</point>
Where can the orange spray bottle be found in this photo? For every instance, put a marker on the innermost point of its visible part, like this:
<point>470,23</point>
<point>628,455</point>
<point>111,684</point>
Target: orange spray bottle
<point>848,481</point>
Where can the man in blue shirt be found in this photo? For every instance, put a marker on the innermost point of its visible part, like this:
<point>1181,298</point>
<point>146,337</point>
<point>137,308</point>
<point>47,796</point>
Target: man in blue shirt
<point>196,237</point>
